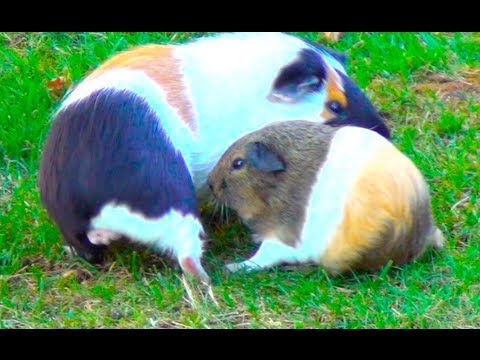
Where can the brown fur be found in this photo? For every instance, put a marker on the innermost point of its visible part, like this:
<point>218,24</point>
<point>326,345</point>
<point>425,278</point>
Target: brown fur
<point>158,62</point>
<point>274,204</point>
<point>387,216</point>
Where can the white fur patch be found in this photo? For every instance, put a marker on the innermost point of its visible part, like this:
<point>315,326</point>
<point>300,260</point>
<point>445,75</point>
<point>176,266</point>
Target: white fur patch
<point>102,237</point>
<point>172,232</point>
<point>351,148</point>
<point>271,252</point>
<point>229,78</point>
<point>326,203</point>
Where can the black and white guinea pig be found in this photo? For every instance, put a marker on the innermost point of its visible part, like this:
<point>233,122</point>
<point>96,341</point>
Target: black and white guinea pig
<point>344,198</point>
<point>132,144</point>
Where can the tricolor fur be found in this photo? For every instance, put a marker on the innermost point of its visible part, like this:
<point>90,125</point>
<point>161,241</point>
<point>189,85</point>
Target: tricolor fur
<point>110,170</point>
<point>343,198</point>
<point>223,87</point>
<point>138,136</point>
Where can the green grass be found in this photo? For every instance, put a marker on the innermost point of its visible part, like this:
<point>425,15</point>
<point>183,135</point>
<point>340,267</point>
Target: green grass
<point>427,85</point>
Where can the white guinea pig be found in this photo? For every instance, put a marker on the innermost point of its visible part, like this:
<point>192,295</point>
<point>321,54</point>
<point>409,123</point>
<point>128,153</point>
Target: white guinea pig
<point>132,144</point>
<point>342,198</point>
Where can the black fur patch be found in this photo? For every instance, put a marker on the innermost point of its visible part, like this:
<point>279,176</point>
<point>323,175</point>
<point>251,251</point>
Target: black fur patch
<point>293,80</point>
<point>360,111</point>
<point>108,147</point>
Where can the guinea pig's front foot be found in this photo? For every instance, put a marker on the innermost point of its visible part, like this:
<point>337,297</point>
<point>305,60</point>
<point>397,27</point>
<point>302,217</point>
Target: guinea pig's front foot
<point>193,269</point>
<point>242,266</point>
<point>271,253</point>
<point>191,266</point>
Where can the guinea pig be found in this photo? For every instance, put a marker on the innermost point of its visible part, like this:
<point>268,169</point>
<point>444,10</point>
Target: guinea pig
<point>132,144</point>
<point>109,170</point>
<point>343,198</point>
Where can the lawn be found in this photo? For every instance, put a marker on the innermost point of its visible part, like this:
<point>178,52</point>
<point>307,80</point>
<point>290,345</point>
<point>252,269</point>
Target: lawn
<point>426,85</point>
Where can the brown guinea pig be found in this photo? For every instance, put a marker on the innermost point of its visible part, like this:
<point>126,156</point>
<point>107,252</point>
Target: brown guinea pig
<point>344,198</point>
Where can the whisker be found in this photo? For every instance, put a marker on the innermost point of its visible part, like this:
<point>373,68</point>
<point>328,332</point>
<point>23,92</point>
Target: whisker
<point>226,213</point>
<point>217,204</point>
<point>213,204</point>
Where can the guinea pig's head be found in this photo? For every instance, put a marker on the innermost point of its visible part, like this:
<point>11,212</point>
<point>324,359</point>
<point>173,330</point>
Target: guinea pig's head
<point>266,175</point>
<point>318,74</point>
<point>350,106</point>
<point>246,175</point>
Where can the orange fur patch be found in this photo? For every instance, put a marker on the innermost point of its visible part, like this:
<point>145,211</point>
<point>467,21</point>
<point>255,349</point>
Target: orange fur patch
<point>334,93</point>
<point>377,212</point>
<point>158,62</point>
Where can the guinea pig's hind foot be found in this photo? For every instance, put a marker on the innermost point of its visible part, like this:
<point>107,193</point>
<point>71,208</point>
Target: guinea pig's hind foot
<point>69,250</point>
<point>78,245</point>
<point>92,255</point>
<point>197,292</point>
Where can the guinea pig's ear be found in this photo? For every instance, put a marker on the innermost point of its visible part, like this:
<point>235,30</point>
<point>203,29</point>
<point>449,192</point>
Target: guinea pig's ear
<point>261,157</point>
<point>299,79</point>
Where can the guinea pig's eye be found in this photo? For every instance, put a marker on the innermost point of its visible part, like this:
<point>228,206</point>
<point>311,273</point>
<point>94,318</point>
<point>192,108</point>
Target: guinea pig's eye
<point>335,107</point>
<point>238,164</point>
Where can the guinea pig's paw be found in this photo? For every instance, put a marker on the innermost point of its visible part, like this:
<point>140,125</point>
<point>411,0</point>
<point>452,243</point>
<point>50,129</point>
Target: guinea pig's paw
<point>242,266</point>
<point>192,267</point>
<point>197,291</point>
<point>69,250</point>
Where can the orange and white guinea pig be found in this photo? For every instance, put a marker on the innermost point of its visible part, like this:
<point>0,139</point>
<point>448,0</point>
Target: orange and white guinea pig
<point>344,198</point>
<point>132,144</point>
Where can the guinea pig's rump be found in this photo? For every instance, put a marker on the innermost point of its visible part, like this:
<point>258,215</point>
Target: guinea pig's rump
<point>386,214</point>
<point>108,169</point>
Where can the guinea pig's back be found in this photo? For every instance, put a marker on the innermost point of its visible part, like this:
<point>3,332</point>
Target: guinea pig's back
<point>381,203</point>
<point>154,73</point>
<point>111,146</point>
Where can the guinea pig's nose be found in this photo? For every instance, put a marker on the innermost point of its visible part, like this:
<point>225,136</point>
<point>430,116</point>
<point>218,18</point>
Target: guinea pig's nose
<point>210,186</point>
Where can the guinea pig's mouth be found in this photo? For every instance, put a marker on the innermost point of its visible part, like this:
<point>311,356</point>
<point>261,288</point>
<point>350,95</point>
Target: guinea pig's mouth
<point>218,191</point>
<point>217,196</point>
<point>221,198</point>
